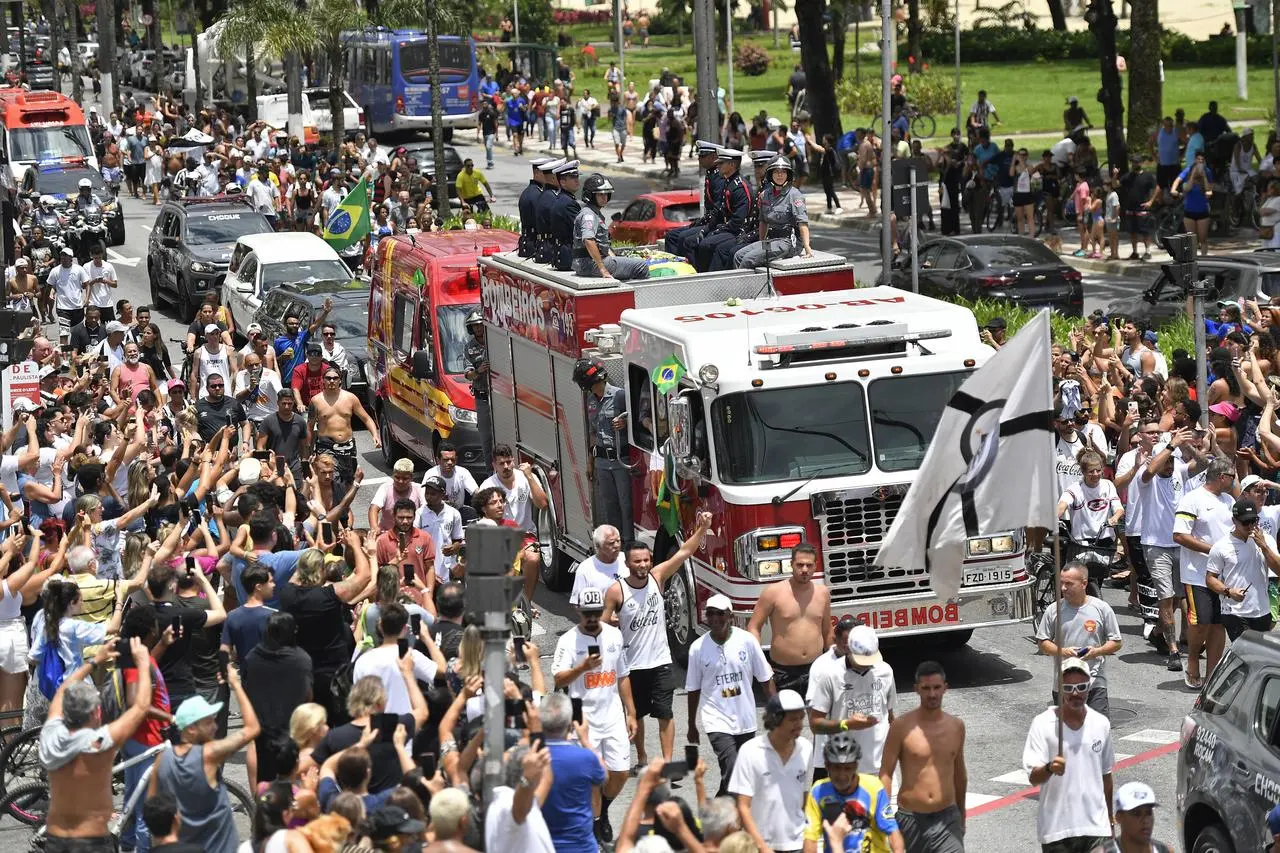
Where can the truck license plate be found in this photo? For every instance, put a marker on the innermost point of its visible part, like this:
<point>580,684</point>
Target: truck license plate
<point>983,576</point>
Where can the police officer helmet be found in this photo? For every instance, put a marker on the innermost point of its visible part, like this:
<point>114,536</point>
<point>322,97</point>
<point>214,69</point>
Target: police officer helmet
<point>587,372</point>
<point>782,163</point>
<point>842,748</point>
<point>596,183</point>
<point>85,184</point>
<point>475,318</point>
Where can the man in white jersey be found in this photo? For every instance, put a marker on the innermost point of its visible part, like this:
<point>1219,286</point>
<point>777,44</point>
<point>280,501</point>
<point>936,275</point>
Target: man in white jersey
<point>1238,568</point>
<point>722,664</point>
<point>444,523</point>
<point>459,485</point>
<point>602,568</point>
<point>858,697</point>
<point>591,662</point>
<point>213,357</point>
<point>634,602</point>
<point>832,660</point>
<point>1202,518</point>
<point>1129,483</point>
<point>521,492</point>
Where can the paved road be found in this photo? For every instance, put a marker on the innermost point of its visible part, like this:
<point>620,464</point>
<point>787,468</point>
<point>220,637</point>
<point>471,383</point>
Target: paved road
<point>998,683</point>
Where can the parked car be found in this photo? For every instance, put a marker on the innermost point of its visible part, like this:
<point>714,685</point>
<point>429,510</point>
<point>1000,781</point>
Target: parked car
<point>260,263</point>
<point>1229,753</point>
<point>650,216</point>
<point>350,318</point>
<point>425,154</point>
<point>995,266</point>
<point>1255,275</point>
<point>352,114</point>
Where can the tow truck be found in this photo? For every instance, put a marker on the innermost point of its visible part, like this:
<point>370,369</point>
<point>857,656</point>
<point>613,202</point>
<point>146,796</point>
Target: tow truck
<point>802,410</point>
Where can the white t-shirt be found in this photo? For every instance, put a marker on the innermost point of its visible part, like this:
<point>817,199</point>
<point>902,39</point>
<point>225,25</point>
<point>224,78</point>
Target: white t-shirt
<point>1160,498</point>
<point>457,487</point>
<point>258,406</point>
<point>445,528</point>
<point>1068,469</point>
<point>1268,516</point>
<point>723,674</point>
<point>1073,804</point>
<point>826,662</point>
<point>519,499</point>
<point>597,688</point>
<point>841,691</point>
<point>100,294</point>
<point>1239,564</point>
<point>384,662</point>
<point>1133,493</point>
<point>593,574</point>
<point>1090,507</point>
<point>68,286</point>
<point>1207,517</point>
<point>1062,151</point>
<point>501,832</point>
<point>642,618</point>
<point>777,789</point>
<point>108,542</point>
<point>9,478</point>
<point>264,196</point>
<point>210,363</point>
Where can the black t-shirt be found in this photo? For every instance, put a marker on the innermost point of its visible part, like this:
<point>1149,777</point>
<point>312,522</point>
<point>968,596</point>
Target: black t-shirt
<point>386,764</point>
<point>276,681</point>
<point>211,416</point>
<point>179,847</point>
<point>284,437</point>
<point>322,624</point>
<point>204,647</point>
<point>82,337</point>
<point>798,81</point>
<point>175,663</point>
<point>1138,187</point>
<point>447,636</point>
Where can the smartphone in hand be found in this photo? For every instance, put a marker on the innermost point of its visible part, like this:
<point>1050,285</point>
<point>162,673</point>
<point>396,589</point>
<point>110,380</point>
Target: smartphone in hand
<point>326,531</point>
<point>415,625</point>
<point>403,644</point>
<point>387,724</point>
<point>409,574</point>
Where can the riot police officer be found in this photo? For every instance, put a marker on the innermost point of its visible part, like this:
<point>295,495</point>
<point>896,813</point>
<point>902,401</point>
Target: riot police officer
<point>476,354</point>
<point>544,207</point>
<point>591,255</point>
<point>681,241</point>
<point>527,206</point>
<point>607,435</point>
<point>783,219</point>
<point>564,215</point>
<point>723,257</point>
<point>731,217</point>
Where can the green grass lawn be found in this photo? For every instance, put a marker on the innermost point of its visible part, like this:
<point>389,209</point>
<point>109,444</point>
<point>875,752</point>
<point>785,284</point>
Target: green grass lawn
<point>1030,97</point>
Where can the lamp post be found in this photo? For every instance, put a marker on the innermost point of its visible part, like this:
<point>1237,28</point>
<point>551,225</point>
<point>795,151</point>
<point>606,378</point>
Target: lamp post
<point>728,26</point>
<point>515,19</point>
<point>959,103</point>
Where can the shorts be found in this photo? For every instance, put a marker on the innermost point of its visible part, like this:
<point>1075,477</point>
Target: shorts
<point>1195,217</point>
<point>101,844</point>
<point>1113,225</point>
<point>791,676</point>
<point>610,742</point>
<point>1077,844</point>
<point>651,690</point>
<point>1237,625</point>
<point>619,137</point>
<point>1163,565</point>
<point>1136,223</point>
<point>13,646</point>
<point>932,832</point>
<point>1023,199</point>
<point>1203,606</point>
<point>866,177</point>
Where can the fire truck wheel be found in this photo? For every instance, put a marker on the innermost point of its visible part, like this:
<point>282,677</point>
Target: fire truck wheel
<point>390,450</point>
<point>555,563</point>
<point>682,623</point>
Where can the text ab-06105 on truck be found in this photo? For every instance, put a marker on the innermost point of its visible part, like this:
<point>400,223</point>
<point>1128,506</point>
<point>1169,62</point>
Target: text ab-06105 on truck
<point>799,416</point>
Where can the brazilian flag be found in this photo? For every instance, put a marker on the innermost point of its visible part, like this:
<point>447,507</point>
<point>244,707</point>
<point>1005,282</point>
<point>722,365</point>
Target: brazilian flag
<point>666,376</point>
<point>349,222</point>
<point>668,499</point>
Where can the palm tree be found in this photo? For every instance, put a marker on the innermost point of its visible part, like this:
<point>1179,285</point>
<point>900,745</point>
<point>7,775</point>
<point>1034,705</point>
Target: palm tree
<point>273,28</point>
<point>1144,70</point>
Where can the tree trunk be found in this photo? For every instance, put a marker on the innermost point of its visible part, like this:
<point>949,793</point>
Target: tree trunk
<point>1058,14</point>
<point>1102,22</point>
<point>250,82</point>
<point>52,9</point>
<point>914,32</point>
<point>107,15</point>
<point>197,84</point>
<point>440,179</point>
<point>820,89</point>
<point>73,53</point>
<point>1145,107</point>
<point>839,29</point>
<point>336,101</point>
<point>293,89</point>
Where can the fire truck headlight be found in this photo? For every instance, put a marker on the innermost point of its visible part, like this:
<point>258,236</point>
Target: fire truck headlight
<point>1005,543</point>
<point>708,374</point>
<point>766,553</point>
<point>462,416</point>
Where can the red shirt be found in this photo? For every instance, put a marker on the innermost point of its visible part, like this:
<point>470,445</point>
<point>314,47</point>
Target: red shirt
<point>306,383</point>
<point>151,732</point>
<point>420,552</point>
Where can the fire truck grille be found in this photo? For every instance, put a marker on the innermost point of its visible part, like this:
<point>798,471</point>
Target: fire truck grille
<point>852,530</point>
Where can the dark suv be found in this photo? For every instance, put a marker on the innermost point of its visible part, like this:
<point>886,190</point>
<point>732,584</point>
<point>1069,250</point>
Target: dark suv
<point>1229,760</point>
<point>190,247</point>
<point>350,317</point>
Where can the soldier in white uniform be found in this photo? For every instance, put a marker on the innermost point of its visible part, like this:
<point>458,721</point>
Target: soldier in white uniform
<point>591,255</point>
<point>784,222</point>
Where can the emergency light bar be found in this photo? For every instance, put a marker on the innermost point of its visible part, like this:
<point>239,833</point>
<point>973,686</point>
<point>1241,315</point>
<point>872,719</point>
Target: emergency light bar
<point>214,199</point>
<point>835,339</point>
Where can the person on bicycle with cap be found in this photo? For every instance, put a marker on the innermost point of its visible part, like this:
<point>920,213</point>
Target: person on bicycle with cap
<point>849,808</point>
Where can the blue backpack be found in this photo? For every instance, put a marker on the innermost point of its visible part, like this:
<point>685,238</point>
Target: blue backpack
<point>53,671</point>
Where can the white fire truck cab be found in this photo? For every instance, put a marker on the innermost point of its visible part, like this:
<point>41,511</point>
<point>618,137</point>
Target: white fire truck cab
<point>800,416</point>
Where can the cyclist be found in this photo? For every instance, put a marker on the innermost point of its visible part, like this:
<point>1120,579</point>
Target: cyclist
<point>859,797</point>
<point>1244,157</point>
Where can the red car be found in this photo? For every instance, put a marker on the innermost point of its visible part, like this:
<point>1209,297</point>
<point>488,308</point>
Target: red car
<point>650,216</point>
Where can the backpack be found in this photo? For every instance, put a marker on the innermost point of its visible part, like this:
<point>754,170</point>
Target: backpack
<point>113,696</point>
<point>52,672</point>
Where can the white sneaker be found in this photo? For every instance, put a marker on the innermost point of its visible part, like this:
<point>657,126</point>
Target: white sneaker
<point>839,211</point>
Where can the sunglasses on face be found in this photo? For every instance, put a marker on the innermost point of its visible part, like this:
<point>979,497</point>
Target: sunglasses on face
<point>1076,688</point>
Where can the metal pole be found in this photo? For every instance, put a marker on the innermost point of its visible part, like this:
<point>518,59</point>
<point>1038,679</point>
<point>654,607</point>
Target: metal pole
<point>1057,639</point>
<point>915,232</point>
<point>1242,57</point>
<point>887,45</point>
<point>704,49</point>
<point>515,20</point>
<point>776,44</point>
<point>959,103</point>
<point>617,37</point>
<point>1275,60</point>
<point>1198,289</point>
<point>495,667</point>
<point>728,34</point>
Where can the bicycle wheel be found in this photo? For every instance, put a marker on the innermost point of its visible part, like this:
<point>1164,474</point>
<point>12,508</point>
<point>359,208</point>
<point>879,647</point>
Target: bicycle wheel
<point>241,807</point>
<point>20,761</point>
<point>1232,213</point>
<point>27,803</point>
<point>924,126</point>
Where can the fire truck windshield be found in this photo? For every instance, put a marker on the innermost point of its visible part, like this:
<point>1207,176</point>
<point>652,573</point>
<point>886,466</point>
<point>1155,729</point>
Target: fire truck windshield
<point>453,336</point>
<point>790,433</point>
<point>49,143</point>
<point>904,414</point>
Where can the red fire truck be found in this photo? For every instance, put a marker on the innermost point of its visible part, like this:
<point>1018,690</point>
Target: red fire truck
<point>804,411</point>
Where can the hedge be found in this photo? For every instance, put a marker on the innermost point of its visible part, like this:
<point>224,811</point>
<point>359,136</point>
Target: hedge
<point>1015,44</point>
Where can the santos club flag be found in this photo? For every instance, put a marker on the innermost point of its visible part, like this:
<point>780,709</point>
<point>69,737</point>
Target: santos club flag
<point>349,222</point>
<point>990,467</point>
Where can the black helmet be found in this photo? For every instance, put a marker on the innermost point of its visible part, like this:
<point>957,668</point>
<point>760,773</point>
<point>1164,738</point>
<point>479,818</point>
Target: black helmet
<point>596,183</point>
<point>474,319</point>
<point>588,372</point>
<point>842,748</point>
<point>781,162</point>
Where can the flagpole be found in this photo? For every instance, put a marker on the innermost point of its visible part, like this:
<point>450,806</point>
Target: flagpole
<point>1057,577</point>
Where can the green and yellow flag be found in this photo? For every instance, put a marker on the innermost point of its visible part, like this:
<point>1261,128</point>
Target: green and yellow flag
<point>666,376</point>
<point>349,222</point>
<point>668,500</point>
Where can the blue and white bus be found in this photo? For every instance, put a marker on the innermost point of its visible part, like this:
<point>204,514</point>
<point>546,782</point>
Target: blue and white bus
<point>387,75</point>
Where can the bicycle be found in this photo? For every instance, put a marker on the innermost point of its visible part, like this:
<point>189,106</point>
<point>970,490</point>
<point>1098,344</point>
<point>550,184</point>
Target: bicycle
<point>923,125</point>
<point>1242,207</point>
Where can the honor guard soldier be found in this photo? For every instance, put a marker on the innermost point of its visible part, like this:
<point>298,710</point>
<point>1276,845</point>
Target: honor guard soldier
<point>723,258</point>
<point>784,221</point>
<point>527,204</point>
<point>680,242</point>
<point>731,218</point>
<point>543,209</point>
<point>591,255</point>
<point>564,215</point>
<point>607,435</point>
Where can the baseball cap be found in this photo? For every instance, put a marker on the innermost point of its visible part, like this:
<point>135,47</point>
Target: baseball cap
<point>1273,820</point>
<point>1227,409</point>
<point>1078,665</point>
<point>719,602</point>
<point>213,329</point>
<point>389,821</point>
<point>1249,482</point>
<point>20,262</point>
<point>1135,795</point>
<point>25,404</point>
<point>996,323</point>
<point>434,482</point>
<point>403,465</point>
<point>194,710</point>
<point>314,349</point>
<point>1244,510</point>
<point>253,328</point>
<point>250,471</point>
<point>47,371</point>
<point>176,383</point>
<point>590,599</point>
<point>864,646</point>
<point>115,327</point>
<point>784,701</point>
<point>67,253</point>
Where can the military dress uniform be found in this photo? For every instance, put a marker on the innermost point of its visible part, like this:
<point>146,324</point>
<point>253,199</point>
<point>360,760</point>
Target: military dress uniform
<point>592,225</point>
<point>563,217</point>
<point>723,258</point>
<point>731,217</point>
<point>782,211</point>
<point>527,203</point>
<point>681,241</point>
<point>544,207</point>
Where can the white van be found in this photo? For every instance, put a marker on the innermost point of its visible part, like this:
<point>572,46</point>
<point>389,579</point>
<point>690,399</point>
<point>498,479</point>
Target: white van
<point>262,262</point>
<point>274,110</point>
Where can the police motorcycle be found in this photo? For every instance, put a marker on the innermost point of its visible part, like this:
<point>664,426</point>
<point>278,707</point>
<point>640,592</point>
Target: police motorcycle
<point>88,224</point>
<point>46,216</point>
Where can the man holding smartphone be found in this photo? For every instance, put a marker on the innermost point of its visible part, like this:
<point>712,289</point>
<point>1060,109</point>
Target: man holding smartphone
<point>443,523</point>
<point>410,548</point>
<point>1238,568</point>
<point>384,660</point>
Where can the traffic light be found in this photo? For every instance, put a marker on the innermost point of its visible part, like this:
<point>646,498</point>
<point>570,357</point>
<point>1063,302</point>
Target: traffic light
<point>490,553</point>
<point>1181,271</point>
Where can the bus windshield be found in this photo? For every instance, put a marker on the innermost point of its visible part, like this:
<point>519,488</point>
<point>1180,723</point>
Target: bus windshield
<point>49,143</point>
<point>456,58</point>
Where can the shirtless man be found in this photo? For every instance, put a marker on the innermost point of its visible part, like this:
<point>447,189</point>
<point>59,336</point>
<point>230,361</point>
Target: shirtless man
<point>798,611</point>
<point>930,745</point>
<point>24,288</point>
<point>78,752</point>
<point>867,172</point>
<point>330,417</point>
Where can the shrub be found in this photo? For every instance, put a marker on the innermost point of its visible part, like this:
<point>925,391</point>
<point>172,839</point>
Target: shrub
<point>931,93</point>
<point>1175,334</point>
<point>751,60</point>
<point>567,17</point>
<point>1017,44</point>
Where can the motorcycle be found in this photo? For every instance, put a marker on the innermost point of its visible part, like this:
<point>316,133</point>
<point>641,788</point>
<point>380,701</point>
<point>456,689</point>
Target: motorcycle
<point>88,228</point>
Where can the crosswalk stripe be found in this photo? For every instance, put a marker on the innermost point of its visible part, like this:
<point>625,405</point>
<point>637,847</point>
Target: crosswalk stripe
<point>1156,736</point>
<point>1015,777</point>
<point>972,800</point>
